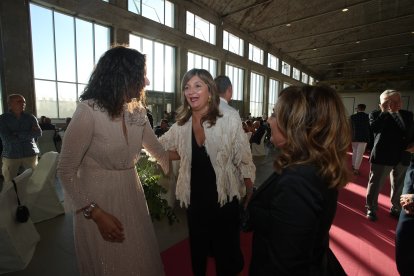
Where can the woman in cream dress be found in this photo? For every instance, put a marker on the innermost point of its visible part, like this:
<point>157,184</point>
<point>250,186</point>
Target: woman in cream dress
<point>113,231</point>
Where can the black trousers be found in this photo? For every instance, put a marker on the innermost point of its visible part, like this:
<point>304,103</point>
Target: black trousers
<point>215,232</point>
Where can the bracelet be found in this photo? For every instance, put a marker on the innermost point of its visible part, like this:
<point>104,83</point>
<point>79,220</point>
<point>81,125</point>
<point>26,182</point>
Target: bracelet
<point>87,211</point>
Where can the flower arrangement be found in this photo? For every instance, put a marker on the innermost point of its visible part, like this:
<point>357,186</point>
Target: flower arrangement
<point>149,174</point>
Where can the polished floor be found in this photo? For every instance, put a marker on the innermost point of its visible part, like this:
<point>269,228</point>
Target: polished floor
<point>55,253</point>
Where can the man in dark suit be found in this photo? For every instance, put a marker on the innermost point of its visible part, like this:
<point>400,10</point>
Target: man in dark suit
<point>392,133</point>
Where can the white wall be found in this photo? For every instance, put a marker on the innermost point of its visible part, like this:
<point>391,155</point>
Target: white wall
<point>371,100</point>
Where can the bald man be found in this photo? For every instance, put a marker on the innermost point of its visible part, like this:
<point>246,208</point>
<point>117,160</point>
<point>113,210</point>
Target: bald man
<point>18,131</point>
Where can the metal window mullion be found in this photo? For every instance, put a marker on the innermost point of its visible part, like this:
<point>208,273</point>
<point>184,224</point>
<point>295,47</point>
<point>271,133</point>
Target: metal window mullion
<point>55,57</point>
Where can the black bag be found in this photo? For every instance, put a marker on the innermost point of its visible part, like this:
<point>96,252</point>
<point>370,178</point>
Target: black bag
<point>22,212</point>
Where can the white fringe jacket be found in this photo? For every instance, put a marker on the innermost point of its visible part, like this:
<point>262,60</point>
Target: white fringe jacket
<point>229,152</point>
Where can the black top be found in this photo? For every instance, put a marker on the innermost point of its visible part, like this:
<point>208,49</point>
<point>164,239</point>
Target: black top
<point>203,179</point>
<point>291,215</point>
<point>360,127</point>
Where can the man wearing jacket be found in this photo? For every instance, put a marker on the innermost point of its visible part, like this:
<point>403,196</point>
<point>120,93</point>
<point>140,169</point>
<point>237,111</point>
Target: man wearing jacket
<point>392,129</point>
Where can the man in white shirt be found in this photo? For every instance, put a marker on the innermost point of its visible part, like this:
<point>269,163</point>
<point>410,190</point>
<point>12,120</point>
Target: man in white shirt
<point>225,89</point>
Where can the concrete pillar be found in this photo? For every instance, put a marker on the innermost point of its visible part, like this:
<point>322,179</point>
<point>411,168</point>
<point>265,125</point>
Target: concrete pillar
<point>16,53</point>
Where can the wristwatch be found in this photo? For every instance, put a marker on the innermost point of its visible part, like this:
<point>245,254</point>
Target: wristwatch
<point>87,211</point>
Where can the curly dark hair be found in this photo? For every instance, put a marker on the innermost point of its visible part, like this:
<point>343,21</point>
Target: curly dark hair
<point>118,78</point>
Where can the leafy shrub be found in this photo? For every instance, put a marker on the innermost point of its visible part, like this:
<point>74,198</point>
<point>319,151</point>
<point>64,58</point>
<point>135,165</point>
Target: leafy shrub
<point>149,174</point>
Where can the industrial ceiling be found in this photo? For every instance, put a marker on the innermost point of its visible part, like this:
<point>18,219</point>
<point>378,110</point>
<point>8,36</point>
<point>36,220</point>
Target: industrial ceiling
<point>336,41</point>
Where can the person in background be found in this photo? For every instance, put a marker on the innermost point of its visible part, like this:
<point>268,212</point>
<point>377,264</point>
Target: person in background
<point>47,124</point>
<point>392,129</point>
<point>113,231</point>
<point>162,128</point>
<point>360,136</point>
<point>216,170</point>
<point>404,238</point>
<point>225,90</point>
<point>18,132</point>
<point>292,211</point>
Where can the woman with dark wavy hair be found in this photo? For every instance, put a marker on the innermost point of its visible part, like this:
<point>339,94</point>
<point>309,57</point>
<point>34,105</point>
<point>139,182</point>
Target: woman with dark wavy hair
<point>292,211</point>
<point>216,164</point>
<point>113,230</point>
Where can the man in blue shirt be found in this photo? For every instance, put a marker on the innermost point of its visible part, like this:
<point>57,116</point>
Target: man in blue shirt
<point>18,131</point>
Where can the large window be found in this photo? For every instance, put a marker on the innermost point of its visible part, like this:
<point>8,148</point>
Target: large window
<point>285,68</point>
<point>160,63</point>
<point>161,11</point>
<point>305,78</point>
<point>272,62</point>
<point>255,54</point>
<point>256,94</point>
<point>295,73</point>
<point>236,76</point>
<point>233,43</point>
<point>273,92</point>
<point>201,28</point>
<point>311,80</point>
<point>202,62</point>
<point>65,50</point>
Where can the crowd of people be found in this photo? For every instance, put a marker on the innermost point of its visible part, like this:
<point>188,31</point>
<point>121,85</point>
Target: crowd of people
<point>113,232</point>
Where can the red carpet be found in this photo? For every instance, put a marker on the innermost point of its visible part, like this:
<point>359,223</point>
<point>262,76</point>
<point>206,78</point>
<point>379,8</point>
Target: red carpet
<point>363,247</point>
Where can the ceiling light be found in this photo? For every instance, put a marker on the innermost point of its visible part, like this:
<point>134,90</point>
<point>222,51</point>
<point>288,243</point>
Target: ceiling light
<point>345,9</point>
<point>364,59</point>
<point>406,54</point>
<point>315,49</point>
<point>358,42</point>
<point>288,25</point>
<point>367,71</point>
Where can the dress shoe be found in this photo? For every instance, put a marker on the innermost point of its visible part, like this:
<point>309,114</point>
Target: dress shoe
<point>371,215</point>
<point>395,213</point>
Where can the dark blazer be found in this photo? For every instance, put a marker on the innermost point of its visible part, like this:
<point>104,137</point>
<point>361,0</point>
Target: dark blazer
<point>360,127</point>
<point>390,141</point>
<point>291,215</point>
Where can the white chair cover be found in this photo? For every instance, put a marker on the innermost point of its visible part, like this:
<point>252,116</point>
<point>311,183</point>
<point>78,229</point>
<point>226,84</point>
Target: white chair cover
<point>46,142</point>
<point>259,150</point>
<point>17,240</point>
<point>42,199</point>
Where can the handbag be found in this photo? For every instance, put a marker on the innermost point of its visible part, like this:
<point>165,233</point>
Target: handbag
<point>22,212</point>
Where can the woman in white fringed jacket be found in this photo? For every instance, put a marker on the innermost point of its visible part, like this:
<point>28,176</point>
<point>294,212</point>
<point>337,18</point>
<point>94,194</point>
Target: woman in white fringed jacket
<point>216,171</point>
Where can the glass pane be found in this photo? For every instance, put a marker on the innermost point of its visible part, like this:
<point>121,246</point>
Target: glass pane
<point>101,41</point>
<point>202,29</point>
<point>225,40</point>
<point>46,98</point>
<point>169,14</point>
<point>198,61</point>
<point>84,50</point>
<point>67,99</point>
<point>190,23</point>
<point>134,6</point>
<point>212,39</point>
<point>159,77</point>
<point>190,61</point>
<point>135,42</point>
<point>213,68</point>
<point>42,42</point>
<point>65,47</point>
<point>154,10</point>
<point>148,51</point>
<point>169,69</point>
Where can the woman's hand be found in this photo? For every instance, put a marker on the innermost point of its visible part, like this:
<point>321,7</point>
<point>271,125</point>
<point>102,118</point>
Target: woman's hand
<point>249,191</point>
<point>109,226</point>
<point>173,155</point>
<point>407,202</point>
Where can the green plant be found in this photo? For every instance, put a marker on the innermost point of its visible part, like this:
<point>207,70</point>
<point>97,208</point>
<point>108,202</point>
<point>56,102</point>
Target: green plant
<point>149,174</point>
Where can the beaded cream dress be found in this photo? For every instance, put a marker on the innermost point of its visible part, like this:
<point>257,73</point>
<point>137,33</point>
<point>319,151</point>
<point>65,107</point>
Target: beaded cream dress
<point>97,164</point>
